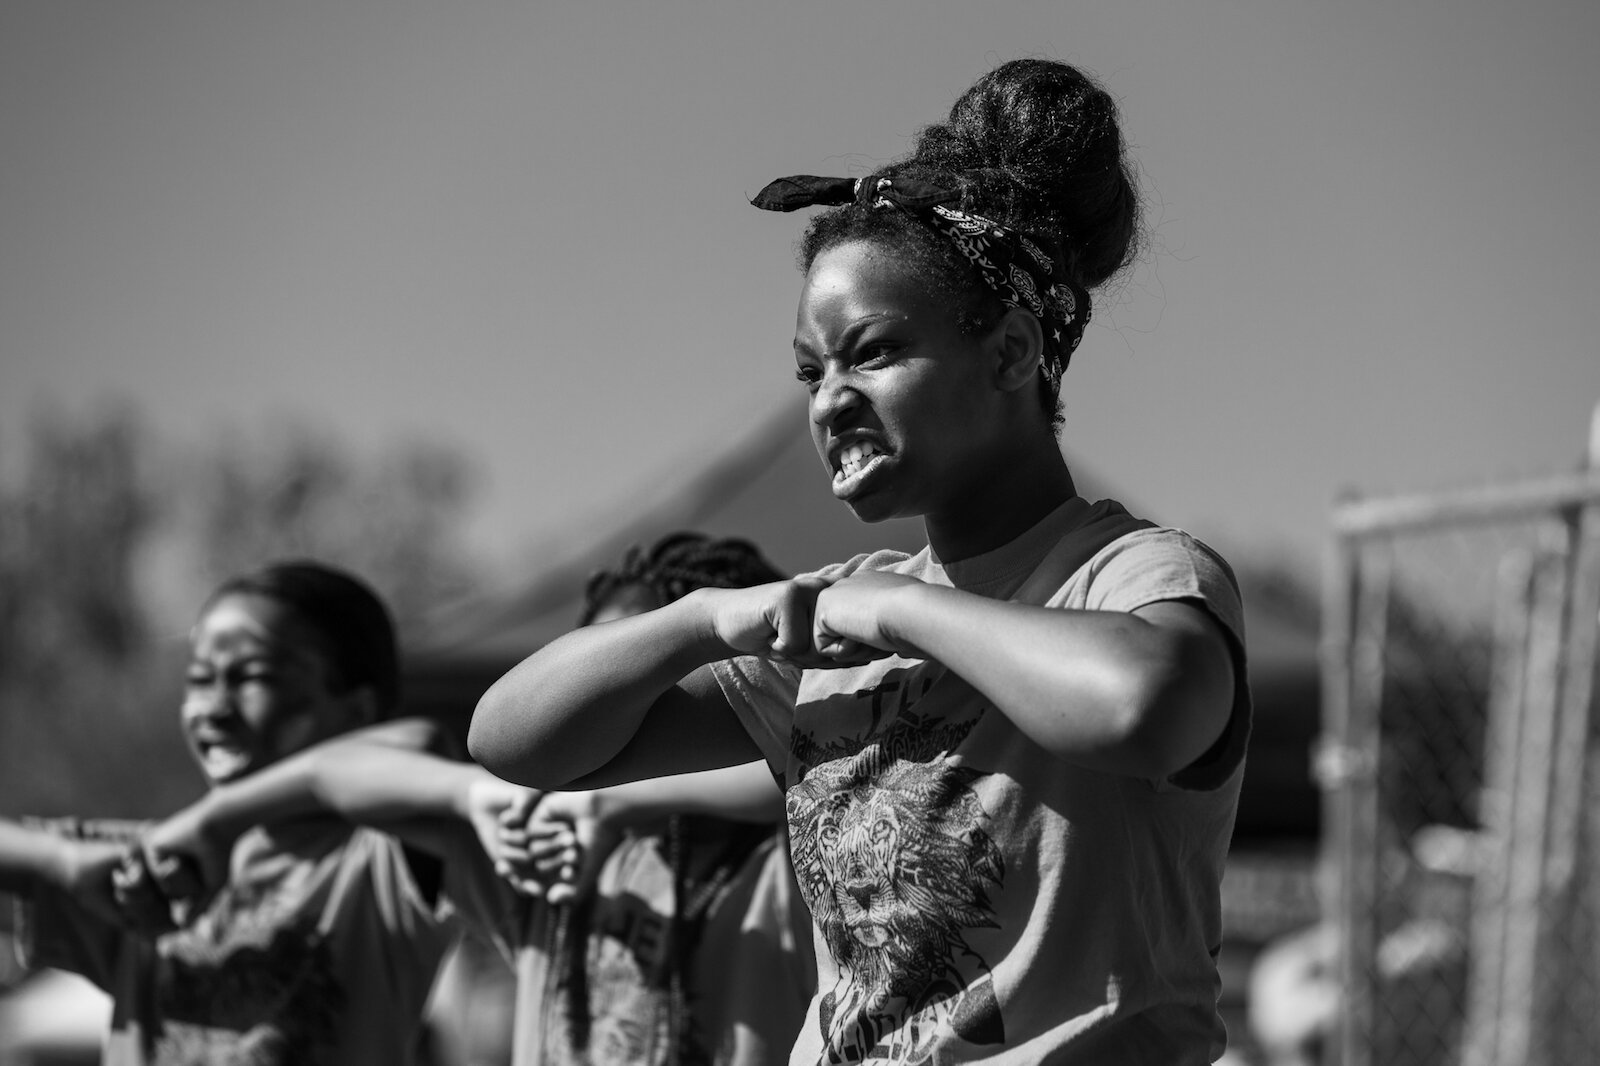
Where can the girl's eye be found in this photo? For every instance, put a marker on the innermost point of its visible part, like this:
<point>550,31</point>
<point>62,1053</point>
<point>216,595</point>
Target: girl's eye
<point>808,375</point>
<point>875,354</point>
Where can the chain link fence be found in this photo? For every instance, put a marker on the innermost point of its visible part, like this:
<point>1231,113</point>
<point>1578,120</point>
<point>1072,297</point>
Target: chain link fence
<point>1460,772</point>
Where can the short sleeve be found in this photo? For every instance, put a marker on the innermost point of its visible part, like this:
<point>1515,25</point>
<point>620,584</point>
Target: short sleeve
<point>762,694</point>
<point>1153,565</point>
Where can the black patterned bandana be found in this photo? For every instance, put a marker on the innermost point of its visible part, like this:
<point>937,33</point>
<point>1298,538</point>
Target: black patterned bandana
<point>1025,270</point>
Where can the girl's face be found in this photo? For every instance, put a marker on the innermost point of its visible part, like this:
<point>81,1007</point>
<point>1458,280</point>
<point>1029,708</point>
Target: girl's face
<point>257,688</point>
<point>905,411</point>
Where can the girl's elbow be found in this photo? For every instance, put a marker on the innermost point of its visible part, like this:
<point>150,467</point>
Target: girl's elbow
<point>494,745</point>
<point>1143,730</point>
<point>1170,727</point>
<point>485,735</point>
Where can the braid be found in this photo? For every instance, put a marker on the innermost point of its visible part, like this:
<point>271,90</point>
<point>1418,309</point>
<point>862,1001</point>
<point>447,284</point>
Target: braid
<point>670,569</point>
<point>676,565</point>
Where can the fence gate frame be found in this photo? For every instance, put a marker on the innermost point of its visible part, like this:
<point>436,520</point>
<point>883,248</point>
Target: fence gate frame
<point>1543,721</point>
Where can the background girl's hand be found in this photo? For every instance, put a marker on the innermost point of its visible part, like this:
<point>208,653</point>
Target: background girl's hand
<point>570,839</point>
<point>186,859</point>
<point>91,879</point>
<point>140,903</point>
<point>848,622</point>
<point>496,809</point>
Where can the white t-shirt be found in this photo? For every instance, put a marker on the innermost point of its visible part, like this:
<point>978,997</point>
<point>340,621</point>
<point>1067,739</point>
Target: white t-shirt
<point>975,897</point>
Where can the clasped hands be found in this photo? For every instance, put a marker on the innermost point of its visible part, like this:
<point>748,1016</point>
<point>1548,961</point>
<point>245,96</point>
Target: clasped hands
<point>549,845</point>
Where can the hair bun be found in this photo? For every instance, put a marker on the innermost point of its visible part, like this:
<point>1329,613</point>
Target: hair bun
<point>1040,145</point>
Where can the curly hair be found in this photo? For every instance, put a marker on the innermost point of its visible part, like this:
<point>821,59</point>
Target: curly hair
<point>1036,146</point>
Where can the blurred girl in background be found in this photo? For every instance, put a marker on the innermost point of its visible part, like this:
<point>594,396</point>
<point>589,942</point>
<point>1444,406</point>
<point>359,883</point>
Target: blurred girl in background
<point>321,941</point>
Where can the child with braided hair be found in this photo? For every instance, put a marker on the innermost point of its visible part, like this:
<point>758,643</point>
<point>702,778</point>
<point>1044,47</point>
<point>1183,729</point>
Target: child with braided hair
<point>686,941</point>
<point>1012,760</point>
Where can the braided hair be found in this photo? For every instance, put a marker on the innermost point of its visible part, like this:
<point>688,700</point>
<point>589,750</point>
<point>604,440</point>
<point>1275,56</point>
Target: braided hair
<point>668,570</point>
<point>675,566</point>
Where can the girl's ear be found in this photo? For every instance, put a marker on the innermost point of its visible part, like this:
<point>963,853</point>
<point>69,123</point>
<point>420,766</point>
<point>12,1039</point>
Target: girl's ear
<point>1019,344</point>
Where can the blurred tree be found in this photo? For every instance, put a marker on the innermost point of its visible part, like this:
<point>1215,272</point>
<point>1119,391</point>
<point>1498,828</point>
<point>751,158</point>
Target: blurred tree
<point>89,672</point>
<point>72,531</point>
<point>393,520</point>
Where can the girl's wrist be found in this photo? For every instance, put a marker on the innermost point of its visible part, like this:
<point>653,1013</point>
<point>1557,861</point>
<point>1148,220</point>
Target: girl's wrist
<point>699,610</point>
<point>904,610</point>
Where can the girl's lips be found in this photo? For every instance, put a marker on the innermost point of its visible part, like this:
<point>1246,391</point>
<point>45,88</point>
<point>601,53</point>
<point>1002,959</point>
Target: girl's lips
<point>222,759</point>
<point>845,486</point>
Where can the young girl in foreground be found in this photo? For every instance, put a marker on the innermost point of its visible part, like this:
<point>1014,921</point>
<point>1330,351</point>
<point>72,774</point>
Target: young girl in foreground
<point>1011,761</point>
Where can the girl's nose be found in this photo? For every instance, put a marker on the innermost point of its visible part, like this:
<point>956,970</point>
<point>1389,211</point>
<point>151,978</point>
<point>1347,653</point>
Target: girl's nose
<point>208,701</point>
<point>833,402</point>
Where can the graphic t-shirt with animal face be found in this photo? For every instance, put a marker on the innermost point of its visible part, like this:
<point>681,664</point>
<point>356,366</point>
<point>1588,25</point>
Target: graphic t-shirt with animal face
<point>974,897</point>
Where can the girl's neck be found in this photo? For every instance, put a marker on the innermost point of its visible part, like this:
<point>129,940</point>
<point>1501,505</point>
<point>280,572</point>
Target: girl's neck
<point>1014,500</point>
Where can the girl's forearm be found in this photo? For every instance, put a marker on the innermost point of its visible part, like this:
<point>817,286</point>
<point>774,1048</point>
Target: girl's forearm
<point>572,706</point>
<point>1141,694</point>
<point>744,793</point>
<point>362,783</point>
<point>30,857</point>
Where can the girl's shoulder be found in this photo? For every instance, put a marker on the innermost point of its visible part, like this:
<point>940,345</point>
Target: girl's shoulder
<point>1157,563</point>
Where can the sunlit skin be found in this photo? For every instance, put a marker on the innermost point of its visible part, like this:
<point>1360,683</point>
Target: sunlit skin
<point>257,688</point>
<point>962,439</point>
<point>625,602</point>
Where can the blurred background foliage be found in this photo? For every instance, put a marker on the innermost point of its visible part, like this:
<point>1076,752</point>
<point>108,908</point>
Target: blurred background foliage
<point>111,537</point>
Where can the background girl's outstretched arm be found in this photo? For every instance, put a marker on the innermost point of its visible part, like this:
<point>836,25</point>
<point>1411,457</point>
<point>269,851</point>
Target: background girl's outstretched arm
<point>33,859</point>
<point>382,777</point>
<point>1143,693</point>
<point>587,825</point>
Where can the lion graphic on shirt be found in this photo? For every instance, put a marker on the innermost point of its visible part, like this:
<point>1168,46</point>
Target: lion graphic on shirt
<point>896,863</point>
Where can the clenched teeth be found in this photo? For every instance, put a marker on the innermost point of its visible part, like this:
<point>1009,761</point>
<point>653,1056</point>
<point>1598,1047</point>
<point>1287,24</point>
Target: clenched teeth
<point>851,458</point>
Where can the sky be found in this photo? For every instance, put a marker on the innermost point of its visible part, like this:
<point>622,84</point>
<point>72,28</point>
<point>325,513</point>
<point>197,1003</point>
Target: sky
<point>521,230</point>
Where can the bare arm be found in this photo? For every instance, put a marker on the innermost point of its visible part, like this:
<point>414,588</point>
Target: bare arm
<point>604,704</point>
<point>743,793</point>
<point>33,859</point>
<point>570,834</point>
<point>376,777</point>
<point>1142,693</point>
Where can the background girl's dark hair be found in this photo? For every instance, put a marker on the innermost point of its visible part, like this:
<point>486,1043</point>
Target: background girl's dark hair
<point>351,624</point>
<point>1037,146</point>
<point>670,569</point>
<point>676,565</point>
